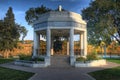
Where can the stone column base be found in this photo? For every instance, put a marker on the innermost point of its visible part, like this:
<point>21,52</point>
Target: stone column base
<point>47,61</point>
<point>72,60</point>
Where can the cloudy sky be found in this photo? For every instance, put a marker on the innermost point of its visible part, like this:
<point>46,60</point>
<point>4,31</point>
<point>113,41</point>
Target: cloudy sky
<point>21,6</point>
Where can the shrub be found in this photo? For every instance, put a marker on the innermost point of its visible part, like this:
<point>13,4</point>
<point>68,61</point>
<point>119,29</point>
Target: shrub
<point>24,57</point>
<point>29,58</point>
<point>92,56</point>
<point>82,59</point>
<point>38,59</point>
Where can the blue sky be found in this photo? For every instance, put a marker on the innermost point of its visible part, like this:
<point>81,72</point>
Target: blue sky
<point>21,6</point>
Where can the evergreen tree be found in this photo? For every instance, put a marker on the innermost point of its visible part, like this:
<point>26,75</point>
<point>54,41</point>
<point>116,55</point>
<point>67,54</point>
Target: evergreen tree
<point>1,33</point>
<point>9,32</point>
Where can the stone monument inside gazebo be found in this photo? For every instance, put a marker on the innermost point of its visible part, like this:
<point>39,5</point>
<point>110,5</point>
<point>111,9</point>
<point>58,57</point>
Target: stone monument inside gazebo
<point>60,23</point>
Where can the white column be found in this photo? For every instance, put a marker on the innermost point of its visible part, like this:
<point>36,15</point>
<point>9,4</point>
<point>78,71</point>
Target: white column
<point>48,46</point>
<point>85,42</point>
<point>36,44</point>
<point>71,42</point>
<point>72,58</point>
<point>81,44</point>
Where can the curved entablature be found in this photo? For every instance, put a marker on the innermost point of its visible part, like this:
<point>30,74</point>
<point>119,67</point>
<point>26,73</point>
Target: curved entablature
<point>59,24</point>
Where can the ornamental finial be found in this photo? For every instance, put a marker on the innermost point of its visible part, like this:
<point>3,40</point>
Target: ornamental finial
<point>60,8</point>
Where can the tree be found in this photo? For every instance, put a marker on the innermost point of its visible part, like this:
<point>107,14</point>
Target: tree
<point>33,13</point>
<point>1,29</point>
<point>103,21</point>
<point>9,32</point>
<point>57,44</point>
<point>22,31</point>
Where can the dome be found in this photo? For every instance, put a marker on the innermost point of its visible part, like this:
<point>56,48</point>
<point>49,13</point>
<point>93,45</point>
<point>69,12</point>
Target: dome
<point>60,16</point>
<point>59,19</point>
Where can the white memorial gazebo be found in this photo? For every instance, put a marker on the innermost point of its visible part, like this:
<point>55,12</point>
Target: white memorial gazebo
<point>62,23</point>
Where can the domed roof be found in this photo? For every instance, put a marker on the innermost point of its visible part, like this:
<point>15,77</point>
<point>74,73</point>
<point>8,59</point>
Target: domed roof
<point>60,16</point>
<point>59,19</point>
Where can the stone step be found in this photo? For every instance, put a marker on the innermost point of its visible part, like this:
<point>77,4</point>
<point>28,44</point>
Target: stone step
<point>60,61</point>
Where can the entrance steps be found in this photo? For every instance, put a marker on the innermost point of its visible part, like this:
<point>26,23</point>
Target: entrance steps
<point>60,61</point>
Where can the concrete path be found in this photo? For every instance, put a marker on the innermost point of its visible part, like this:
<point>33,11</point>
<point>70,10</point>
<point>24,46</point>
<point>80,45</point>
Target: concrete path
<point>60,73</point>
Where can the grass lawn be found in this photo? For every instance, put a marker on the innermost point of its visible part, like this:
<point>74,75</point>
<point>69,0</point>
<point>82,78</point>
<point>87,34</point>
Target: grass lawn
<point>10,74</point>
<point>107,74</point>
<point>2,60</point>
<point>115,60</point>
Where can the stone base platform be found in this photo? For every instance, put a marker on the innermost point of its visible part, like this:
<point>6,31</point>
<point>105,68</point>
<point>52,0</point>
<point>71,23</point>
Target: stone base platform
<point>93,63</point>
<point>30,63</point>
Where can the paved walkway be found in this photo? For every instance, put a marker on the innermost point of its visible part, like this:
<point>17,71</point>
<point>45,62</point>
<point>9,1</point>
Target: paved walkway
<point>62,73</point>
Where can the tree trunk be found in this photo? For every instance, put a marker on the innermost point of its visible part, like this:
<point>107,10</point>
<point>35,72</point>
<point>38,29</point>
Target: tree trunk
<point>105,51</point>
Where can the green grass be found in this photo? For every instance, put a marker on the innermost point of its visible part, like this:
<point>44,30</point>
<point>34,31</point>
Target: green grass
<point>115,60</point>
<point>10,74</point>
<point>107,74</point>
<point>2,60</point>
